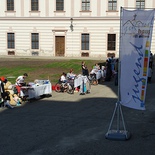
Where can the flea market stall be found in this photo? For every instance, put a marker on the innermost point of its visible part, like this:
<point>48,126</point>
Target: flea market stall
<point>36,89</point>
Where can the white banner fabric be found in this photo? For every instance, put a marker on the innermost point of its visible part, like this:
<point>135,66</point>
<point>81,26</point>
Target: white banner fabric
<point>135,41</point>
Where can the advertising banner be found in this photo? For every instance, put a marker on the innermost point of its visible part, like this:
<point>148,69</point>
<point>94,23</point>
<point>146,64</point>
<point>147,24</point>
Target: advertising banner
<point>135,40</point>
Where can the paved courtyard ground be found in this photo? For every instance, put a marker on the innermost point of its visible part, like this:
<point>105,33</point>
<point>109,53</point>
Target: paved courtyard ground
<point>76,124</point>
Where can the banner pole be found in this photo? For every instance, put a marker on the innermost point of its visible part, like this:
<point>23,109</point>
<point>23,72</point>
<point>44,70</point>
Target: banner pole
<point>118,134</point>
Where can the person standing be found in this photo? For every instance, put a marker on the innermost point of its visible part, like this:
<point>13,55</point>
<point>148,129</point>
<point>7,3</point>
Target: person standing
<point>83,67</point>
<point>151,60</point>
<point>4,95</point>
<point>2,91</point>
<point>116,72</point>
<point>149,74</point>
<point>108,71</point>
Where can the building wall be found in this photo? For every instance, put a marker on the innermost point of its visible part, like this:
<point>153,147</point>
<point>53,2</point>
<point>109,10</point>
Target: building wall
<point>50,23</point>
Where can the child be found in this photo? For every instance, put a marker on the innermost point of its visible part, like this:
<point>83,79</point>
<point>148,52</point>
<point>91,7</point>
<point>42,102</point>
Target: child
<point>64,81</point>
<point>7,100</point>
<point>63,78</point>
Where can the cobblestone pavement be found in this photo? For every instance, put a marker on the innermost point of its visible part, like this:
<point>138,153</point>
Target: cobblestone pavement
<point>76,124</point>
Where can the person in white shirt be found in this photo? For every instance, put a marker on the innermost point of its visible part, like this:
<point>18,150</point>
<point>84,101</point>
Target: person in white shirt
<point>71,75</point>
<point>97,67</point>
<point>20,81</point>
<point>63,77</point>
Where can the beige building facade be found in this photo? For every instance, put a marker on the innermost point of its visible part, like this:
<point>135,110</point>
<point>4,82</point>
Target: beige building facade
<point>63,28</point>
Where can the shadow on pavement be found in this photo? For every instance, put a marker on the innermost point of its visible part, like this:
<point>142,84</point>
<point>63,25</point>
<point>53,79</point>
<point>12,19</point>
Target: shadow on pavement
<point>76,125</point>
<point>49,127</point>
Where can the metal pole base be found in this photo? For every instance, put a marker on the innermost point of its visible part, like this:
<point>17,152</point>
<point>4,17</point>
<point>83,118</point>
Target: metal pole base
<point>117,135</point>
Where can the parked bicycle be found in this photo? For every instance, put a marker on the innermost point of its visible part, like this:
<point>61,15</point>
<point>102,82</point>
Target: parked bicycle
<point>64,87</point>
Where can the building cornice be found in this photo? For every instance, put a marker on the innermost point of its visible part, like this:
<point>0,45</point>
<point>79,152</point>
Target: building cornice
<point>59,18</point>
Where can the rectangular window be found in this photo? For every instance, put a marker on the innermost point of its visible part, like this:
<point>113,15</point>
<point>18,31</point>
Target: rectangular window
<point>34,5</point>
<point>140,4</point>
<point>11,40</point>
<point>111,42</point>
<point>10,5</point>
<point>59,5</point>
<point>85,42</point>
<point>35,41</point>
<point>112,5</point>
<point>85,5</point>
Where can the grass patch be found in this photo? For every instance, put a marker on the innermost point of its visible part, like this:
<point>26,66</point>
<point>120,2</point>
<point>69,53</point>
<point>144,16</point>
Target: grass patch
<point>41,69</point>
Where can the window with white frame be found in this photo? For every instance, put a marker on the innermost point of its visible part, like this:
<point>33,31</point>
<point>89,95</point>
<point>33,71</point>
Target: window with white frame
<point>112,5</point>
<point>34,5</point>
<point>59,5</point>
<point>140,4</point>
<point>10,40</point>
<point>35,41</point>
<point>85,5</point>
<point>111,42</point>
<point>85,41</point>
<point>10,5</point>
